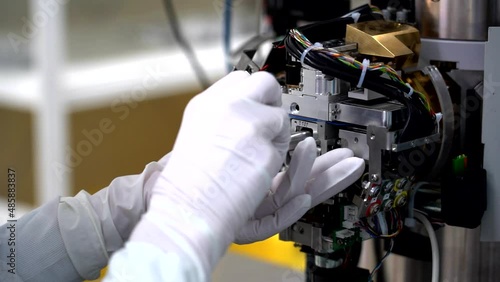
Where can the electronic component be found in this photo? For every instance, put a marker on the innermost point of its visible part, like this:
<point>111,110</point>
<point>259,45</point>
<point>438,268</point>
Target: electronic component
<point>347,83</point>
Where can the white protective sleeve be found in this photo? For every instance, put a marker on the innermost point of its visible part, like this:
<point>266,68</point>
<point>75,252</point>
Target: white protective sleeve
<point>71,238</point>
<point>140,261</point>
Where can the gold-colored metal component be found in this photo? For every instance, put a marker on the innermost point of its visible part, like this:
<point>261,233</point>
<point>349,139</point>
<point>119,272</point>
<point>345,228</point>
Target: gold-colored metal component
<point>386,40</point>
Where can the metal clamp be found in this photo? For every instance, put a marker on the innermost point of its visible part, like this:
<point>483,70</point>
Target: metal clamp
<point>415,143</point>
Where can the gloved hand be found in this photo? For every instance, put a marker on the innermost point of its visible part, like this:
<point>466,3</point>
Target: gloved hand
<point>291,191</point>
<point>232,142</point>
<point>300,188</point>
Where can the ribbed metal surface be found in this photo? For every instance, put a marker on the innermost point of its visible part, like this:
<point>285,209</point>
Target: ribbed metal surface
<point>494,13</point>
<point>453,19</point>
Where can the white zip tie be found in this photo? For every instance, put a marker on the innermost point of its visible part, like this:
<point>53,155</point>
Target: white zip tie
<point>303,56</point>
<point>439,117</point>
<point>355,17</point>
<point>366,64</point>
<point>408,95</point>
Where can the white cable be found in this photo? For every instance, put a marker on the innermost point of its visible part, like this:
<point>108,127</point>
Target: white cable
<point>409,220</point>
<point>434,245</point>
<point>303,56</point>
<point>439,117</point>
<point>408,95</point>
<point>366,64</point>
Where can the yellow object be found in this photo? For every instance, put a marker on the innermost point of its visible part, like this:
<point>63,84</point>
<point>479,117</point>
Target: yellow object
<point>386,39</point>
<point>273,251</point>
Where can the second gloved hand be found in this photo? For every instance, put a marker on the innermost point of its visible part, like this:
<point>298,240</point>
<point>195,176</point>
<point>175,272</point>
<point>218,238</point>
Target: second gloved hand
<point>307,182</point>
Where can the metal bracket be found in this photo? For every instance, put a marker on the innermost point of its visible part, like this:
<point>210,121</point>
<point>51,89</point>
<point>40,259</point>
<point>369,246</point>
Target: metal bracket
<point>377,141</point>
<point>415,143</point>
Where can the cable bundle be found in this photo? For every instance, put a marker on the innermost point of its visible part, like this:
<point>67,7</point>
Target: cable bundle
<point>373,225</point>
<point>378,77</point>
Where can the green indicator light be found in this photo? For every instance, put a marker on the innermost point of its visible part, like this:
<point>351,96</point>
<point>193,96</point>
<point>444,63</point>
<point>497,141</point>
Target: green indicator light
<point>459,164</point>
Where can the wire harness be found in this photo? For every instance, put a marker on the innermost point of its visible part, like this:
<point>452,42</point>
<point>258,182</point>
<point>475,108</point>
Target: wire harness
<point>376,76</point>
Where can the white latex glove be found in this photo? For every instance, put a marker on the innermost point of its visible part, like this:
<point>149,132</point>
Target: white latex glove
<point>232,142</point>
<point>300,188</point>
<point>290,195</point>
<point>307,182</point>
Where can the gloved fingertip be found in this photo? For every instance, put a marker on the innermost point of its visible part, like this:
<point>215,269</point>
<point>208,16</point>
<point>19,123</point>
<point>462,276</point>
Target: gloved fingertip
<point>356,164</point>
<point>305,149</point>
<point>237,74</point>
<point>269,91</point>
<point>326,161</point>
<point>309,143</point>
<point>232,79</point>
<point>343,152</point>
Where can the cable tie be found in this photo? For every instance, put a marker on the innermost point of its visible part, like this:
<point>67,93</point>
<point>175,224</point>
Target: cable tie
<point>439,116</point>
<point>366,64</point>
<point>355,17</point>
<point>408,95</point>
<point>303,56</point>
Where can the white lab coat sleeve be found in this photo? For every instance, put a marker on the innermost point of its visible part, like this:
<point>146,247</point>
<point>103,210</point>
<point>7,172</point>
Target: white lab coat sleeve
<point>39,250</point>
<point>95,226</point>
<point>71,238</point>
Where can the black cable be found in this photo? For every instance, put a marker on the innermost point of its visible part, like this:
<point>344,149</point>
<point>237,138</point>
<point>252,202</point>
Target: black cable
<point>419,122</point>
<point>188,50</point>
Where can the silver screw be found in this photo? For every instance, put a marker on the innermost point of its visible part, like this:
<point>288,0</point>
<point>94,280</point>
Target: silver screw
<point>374,178</point>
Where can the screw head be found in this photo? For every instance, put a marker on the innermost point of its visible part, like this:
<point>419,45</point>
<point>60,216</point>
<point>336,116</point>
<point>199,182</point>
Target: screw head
<point>401,201</point>
<point>374,178</point>
<point>374,191</point>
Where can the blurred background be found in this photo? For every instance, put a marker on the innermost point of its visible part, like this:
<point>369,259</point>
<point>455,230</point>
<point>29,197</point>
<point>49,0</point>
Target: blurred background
<point>91,90</point>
